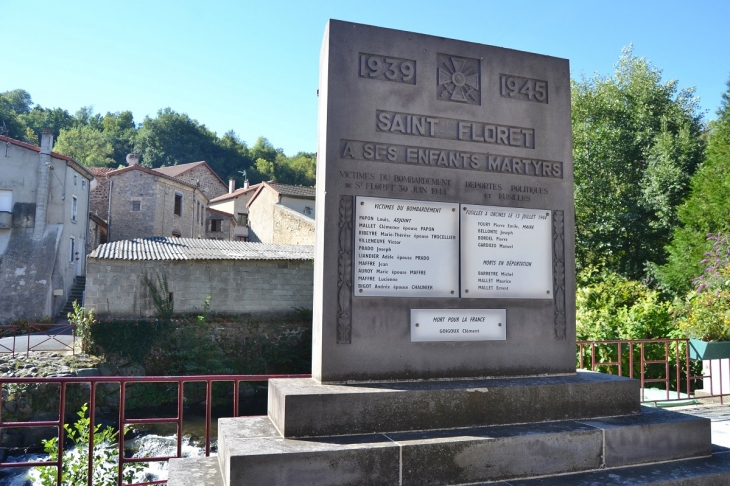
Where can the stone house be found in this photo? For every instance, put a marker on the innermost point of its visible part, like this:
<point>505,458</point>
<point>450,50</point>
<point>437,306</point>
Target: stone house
<point>143,202</point>
<point>168,201</point>
<point>198,174</point>
<point>282,213</point>
<point>220,225</point>
<point>44,225</point>
<point>240,277</point>
<point>234,203</point>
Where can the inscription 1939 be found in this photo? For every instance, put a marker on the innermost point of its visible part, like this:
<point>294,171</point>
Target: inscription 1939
<point>386,68</point>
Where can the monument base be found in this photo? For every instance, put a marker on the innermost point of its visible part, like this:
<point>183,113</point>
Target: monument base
<point>471,445</point>
<point>305,408</point>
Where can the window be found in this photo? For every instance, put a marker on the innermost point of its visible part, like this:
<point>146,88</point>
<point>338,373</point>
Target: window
<point>71,250</point>
<point>83,184</point>
<point>178,204</point>
<point>74,207</point>
<point>176,233</point>
<point>135,205</point>
<point>215,225</point>
<point>76,179</point>
<point>242,219</point>
<point>307,210</point>
<point>6,201</point>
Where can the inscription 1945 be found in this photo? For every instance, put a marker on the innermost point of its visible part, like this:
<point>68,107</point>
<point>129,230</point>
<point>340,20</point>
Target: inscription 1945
<point>526,89</point>
<point>385,68</point>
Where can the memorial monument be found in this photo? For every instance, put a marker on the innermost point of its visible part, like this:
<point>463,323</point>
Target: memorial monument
<point>444,308</point>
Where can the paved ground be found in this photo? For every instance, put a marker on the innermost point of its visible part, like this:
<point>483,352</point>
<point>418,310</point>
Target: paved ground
<point>720,416</point>
<point>57,338</point>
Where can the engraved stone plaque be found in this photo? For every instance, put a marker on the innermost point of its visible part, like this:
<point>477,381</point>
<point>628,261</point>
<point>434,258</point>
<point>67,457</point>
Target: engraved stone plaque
<point>406,248</point>
<point>506,253</point>
<point>458,325</point>
<point>407,119</point>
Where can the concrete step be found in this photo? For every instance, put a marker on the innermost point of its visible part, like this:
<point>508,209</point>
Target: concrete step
<point>251,451</point>
<point>709,471</point>
<point>194,471</point>
<point>305,408</point>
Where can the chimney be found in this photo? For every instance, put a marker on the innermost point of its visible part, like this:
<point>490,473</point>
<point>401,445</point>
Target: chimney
<point>46,141</point>
<point>132,159</point>
<point>245,184</point>
<point>231,185</point>
<point>44,182</point>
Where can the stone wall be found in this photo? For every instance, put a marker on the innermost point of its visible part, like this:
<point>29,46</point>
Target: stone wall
<point>292,228</point>
<point>116,287</point>
<point>142,205</point>
<point>100,195</point>
<point>261,217</point>
<point>208,183</point>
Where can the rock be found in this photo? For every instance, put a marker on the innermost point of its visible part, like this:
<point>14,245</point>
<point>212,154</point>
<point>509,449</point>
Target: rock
<point>87,372</point>
<point>107,369</point>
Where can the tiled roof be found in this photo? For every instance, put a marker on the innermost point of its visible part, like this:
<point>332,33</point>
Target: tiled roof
<point>235,193</point>
<point>99,171</point>
<point>293,191</point>
<point>161,248</point>
<point>177,170</point>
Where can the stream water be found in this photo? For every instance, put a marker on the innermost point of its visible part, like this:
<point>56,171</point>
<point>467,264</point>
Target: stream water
<point>149,441</point>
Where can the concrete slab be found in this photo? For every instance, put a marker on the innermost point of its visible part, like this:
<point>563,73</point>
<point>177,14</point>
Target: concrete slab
<point>495,453</point>
<point>305,408</point>
<point>352,461</point>
<point>711,471</point>
<point>194,471</point>
<point>655,435</point>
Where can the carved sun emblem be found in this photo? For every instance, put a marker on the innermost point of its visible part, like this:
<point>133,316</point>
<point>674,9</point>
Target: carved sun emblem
<point>458,80</point>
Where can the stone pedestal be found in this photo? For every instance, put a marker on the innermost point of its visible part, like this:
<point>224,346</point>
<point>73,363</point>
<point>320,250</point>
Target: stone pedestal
<point>444,304</point>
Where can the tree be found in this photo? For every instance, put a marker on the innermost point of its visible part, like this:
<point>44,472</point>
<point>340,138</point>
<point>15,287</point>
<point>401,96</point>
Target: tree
<point>19,100</point>
<point>86,145</point>
<point>706,210</point>
<point>173,138</point>
<point>636,142</point>
<point>39,118</point>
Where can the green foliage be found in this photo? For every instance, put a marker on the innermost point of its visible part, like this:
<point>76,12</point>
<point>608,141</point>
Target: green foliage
<point>132,339</point>
<point>705,211</point>
<point>706,311</point>
<point>83,324</point>
<point>636,142</point>
<point>161,296</point>
<point>76,461</point>
<point>87,145</point>
<point>610,306</point>
<point>206,310</point>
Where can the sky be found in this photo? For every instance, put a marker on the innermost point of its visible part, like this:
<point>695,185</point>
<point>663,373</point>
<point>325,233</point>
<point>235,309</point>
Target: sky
<point>252,66</point>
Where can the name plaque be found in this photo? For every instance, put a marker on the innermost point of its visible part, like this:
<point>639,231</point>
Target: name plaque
<point>429,325</point>
<point>406,248</point>
<point>506,253</point>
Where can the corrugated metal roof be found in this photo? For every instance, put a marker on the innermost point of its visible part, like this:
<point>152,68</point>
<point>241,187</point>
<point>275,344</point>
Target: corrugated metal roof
<point>161,248</point>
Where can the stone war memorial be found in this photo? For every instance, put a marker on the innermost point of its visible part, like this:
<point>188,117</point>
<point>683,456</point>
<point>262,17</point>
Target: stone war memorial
<point>444,292</point>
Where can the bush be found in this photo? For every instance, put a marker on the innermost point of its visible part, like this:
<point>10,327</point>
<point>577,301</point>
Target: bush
<point>76,460</point>
<point>609,306</point>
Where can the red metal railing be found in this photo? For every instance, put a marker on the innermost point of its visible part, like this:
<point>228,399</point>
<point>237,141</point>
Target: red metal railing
<point>679,374</point>
<point>18,339</point>
<point>124,421</point>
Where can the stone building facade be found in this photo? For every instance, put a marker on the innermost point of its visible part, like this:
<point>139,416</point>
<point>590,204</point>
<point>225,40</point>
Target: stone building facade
<point>100,192</point>
<point>235,203</point>
<point>282,213</point>
<point>44,223</point>
<point>145,203</point>
<point>239,277</point>
<point>219,225</point>
<point>198,174</point>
